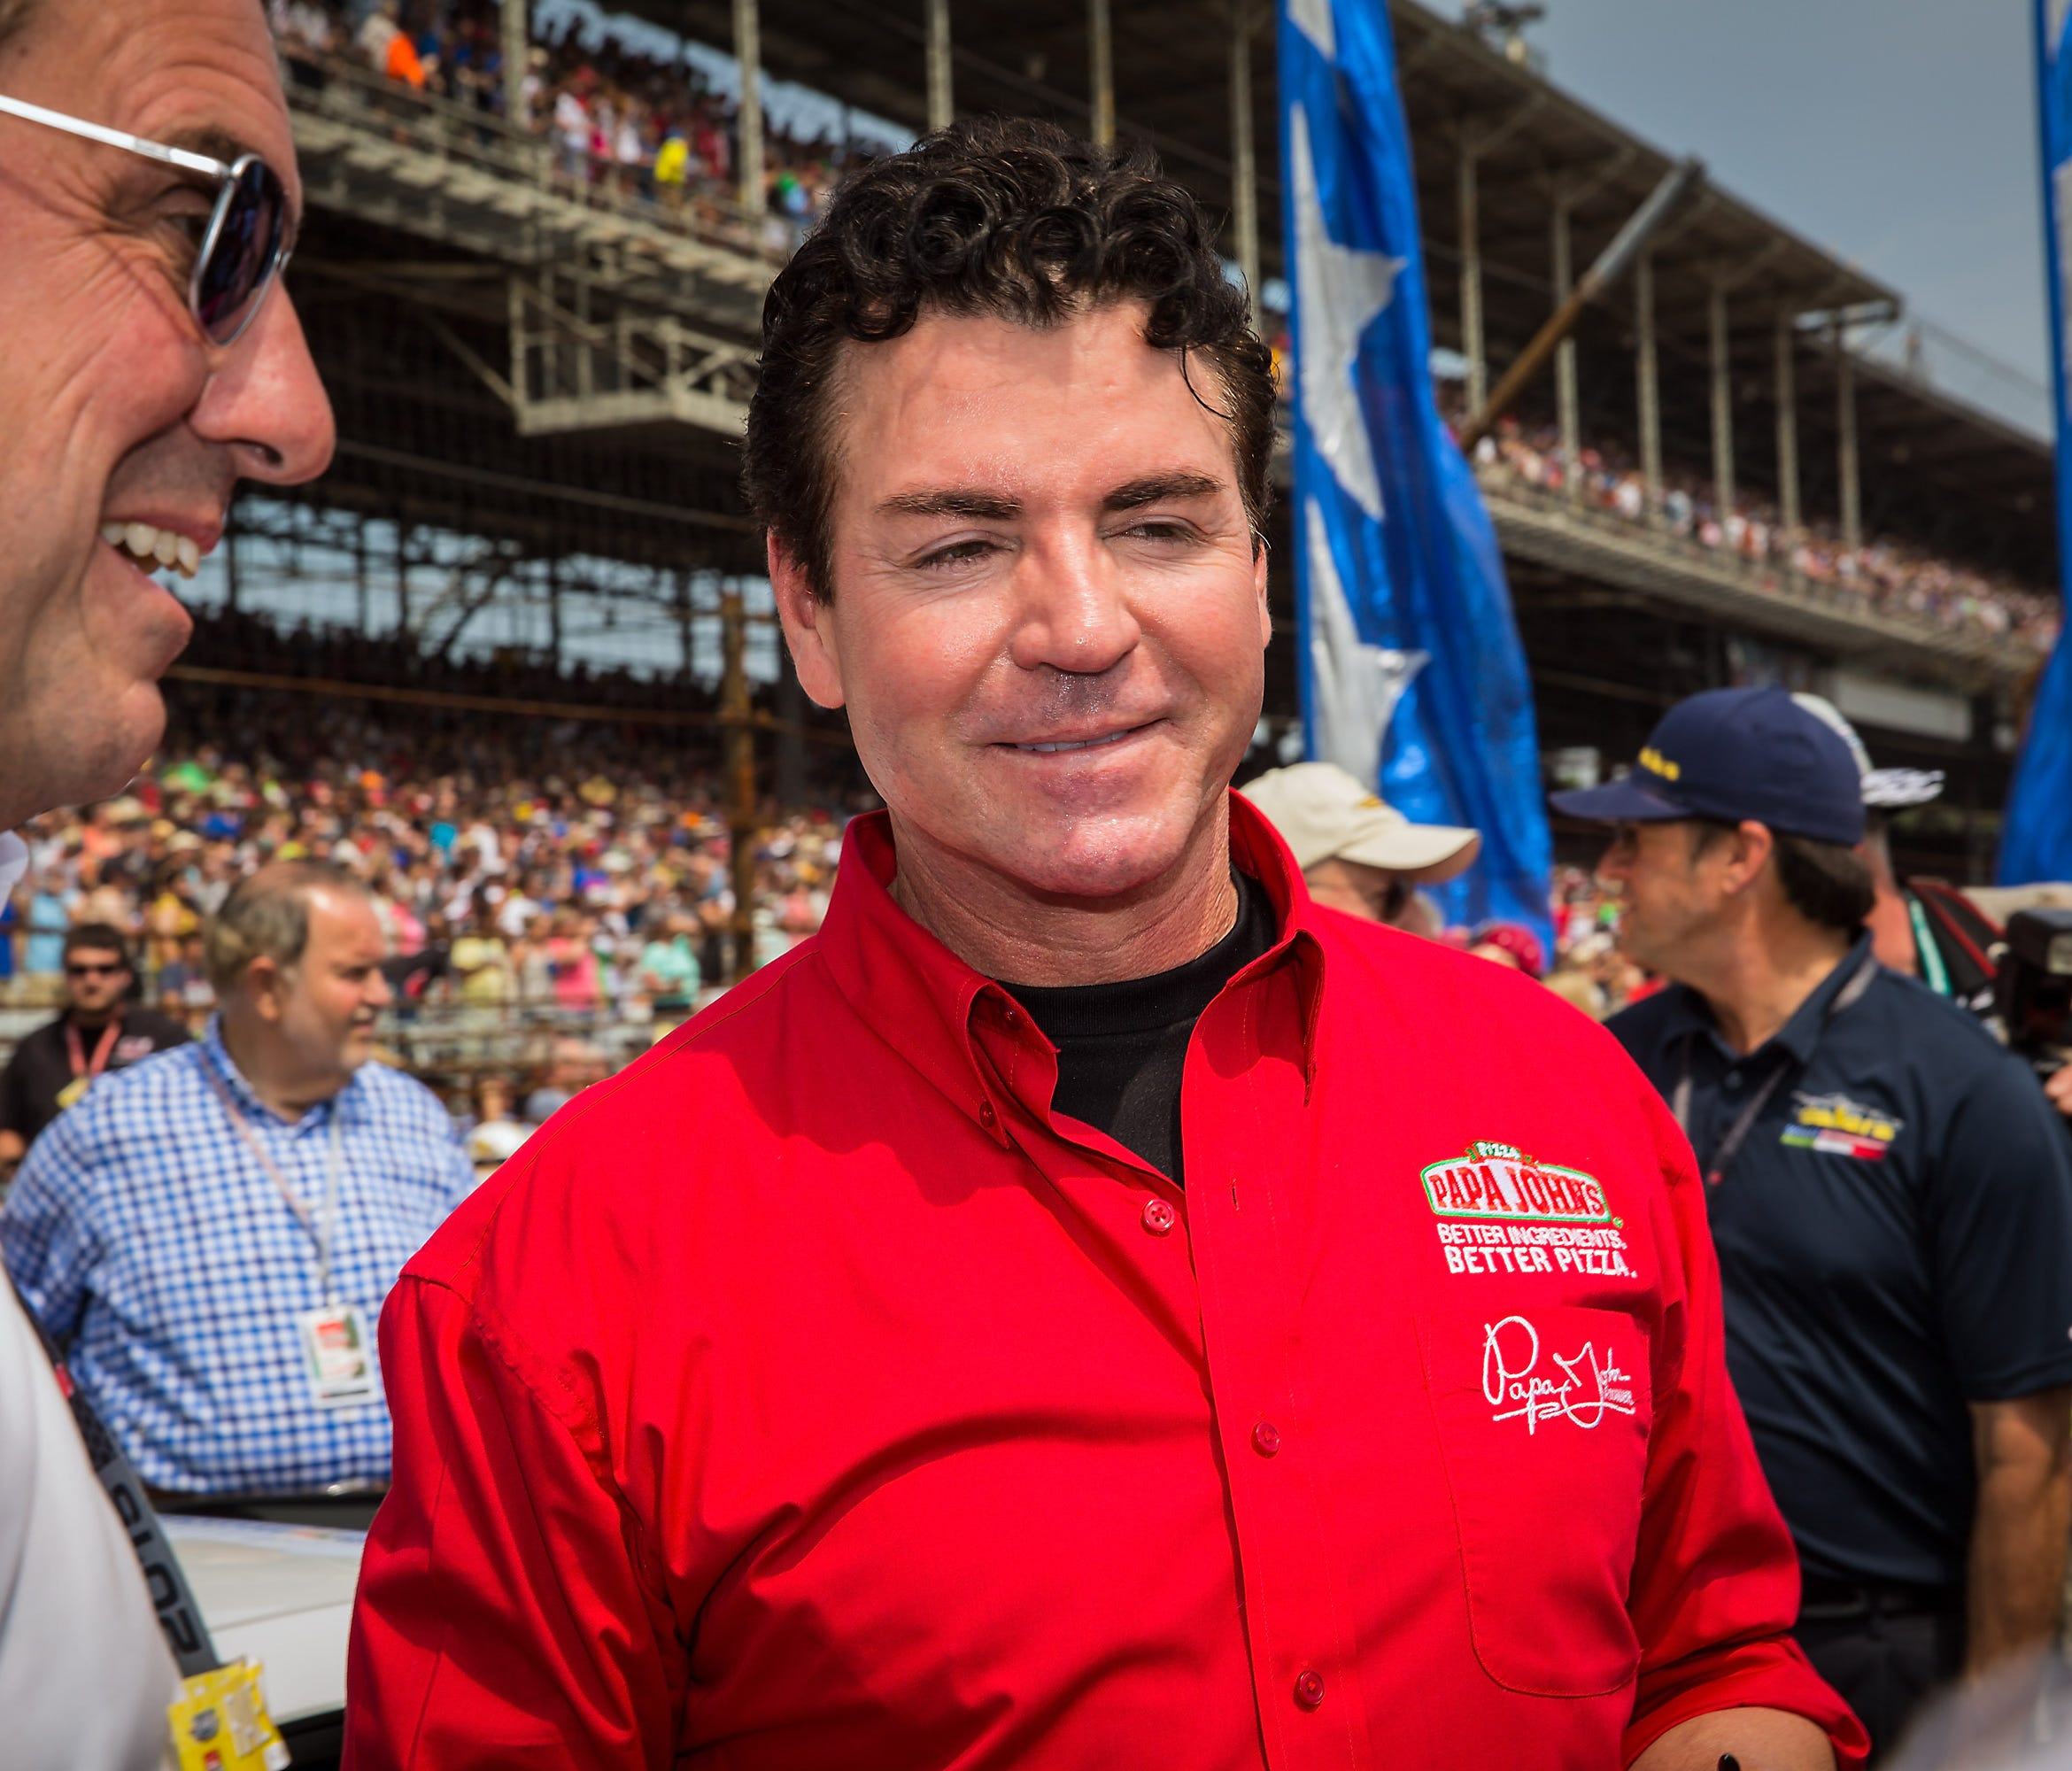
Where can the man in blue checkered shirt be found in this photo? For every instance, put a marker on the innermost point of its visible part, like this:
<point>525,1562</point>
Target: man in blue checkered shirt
<point>211,1232</point>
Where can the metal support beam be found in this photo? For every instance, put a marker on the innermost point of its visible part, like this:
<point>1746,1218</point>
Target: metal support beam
<point>1611,264</point>
<point>1567,402</point>
<point>1244,171</point>
<point>685,632</point>
<point>1722,405</point>
<point>748,53</point>
<point>1103,71</point>
<point>405,614</point>
<point>1787,422</point>
<point>1473,343</point>
<point>1647,375</point>
<point>1849,469</point>
<point>941,107</point>
<point>359,588</point>
<point>515,48</point>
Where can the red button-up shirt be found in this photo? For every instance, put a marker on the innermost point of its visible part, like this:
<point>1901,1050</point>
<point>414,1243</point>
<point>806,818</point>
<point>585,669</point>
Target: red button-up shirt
<point>811,1395</point>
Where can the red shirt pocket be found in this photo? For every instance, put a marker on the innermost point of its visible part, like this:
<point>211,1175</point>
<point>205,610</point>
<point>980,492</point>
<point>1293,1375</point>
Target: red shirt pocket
<point>1543,1421</point>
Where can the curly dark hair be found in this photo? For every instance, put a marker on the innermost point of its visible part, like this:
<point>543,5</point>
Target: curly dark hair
<point>1008,217</point>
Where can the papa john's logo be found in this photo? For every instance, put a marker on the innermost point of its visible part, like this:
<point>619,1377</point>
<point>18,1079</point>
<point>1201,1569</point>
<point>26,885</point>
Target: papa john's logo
<point>1582,1389</point>
<point>1496,1181</point>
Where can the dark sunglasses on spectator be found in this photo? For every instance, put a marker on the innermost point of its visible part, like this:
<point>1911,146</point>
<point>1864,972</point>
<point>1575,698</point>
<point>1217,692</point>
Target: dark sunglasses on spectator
<point>250,234</point>
<point>73,969</point>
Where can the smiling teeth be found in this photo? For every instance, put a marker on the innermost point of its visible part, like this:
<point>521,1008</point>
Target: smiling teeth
<point>1082,744</point>
<point>152,547</point>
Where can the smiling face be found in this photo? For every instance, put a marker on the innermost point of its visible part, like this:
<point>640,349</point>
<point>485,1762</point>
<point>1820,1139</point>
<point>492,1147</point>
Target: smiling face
<point>1047,617</point>
<point>115,410</point>
<point>1673,884</point>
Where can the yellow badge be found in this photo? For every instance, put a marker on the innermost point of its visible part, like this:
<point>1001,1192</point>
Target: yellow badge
<point>73,1092</point>
<point>219,1722</point>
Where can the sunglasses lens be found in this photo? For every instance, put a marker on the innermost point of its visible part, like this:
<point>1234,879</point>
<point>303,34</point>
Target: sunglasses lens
<point>243,254</point>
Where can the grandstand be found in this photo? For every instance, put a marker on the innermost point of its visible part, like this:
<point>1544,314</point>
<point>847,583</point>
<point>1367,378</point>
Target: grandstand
<point>539,377</point>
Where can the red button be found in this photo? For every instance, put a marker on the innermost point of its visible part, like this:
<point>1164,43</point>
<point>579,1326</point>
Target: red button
<point>1309,1688</point>
<point>1265,1439</point>
<point>987,1115</point>
<point>1159,1218</point>
<point>1012,1017</point>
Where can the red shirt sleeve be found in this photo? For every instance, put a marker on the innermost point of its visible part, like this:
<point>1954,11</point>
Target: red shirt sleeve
<point>1715,1585</point>
<point>503,1619</point>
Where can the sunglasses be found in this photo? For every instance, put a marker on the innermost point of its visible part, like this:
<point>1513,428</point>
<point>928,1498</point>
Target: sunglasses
<point>250,233</point>
<point>75,970</point>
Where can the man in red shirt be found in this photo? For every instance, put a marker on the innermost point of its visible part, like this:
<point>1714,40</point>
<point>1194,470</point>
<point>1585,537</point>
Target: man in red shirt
<point>1089,1306</point>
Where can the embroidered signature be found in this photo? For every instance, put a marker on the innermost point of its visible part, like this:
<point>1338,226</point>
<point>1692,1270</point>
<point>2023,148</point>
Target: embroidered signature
<point>1584,1393</point>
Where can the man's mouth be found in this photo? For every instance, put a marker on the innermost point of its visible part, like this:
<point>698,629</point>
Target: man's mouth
<point>1052,746</point>
<point>153,548</point>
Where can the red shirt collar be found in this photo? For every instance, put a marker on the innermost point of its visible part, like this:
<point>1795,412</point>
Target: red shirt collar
<point>921,999</point>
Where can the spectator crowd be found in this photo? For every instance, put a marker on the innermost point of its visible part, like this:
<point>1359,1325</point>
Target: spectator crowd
<point>1887,577</point>
<point>552,892</point>
<point>623,124</point>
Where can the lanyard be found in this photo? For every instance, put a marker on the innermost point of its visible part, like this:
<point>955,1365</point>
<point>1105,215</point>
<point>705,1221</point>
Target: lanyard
<point>180,1615</point>
<point>75,1050</point>
<point>321,1237</point>
<point>1846,997</point>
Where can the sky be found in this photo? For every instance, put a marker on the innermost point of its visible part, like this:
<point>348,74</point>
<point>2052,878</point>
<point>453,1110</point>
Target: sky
<point>1900,134</point>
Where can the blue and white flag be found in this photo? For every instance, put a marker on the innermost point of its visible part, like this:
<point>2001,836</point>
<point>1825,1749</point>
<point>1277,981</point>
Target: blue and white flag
<point>2036,837</point>
<point>1413,676</point>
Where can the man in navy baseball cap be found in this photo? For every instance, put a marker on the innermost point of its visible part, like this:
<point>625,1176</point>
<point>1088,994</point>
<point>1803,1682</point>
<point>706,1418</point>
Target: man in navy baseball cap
<point>1887,1191</point>
<point>1733,755</point>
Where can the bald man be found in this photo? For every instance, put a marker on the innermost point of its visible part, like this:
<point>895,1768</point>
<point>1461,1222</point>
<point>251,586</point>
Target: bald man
<point>212,1233</point>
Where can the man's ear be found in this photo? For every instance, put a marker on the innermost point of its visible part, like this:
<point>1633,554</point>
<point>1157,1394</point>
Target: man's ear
<point>808,627</point>
<point>1752,847</point>
<point>1259,591</point>
<point>261,983</point>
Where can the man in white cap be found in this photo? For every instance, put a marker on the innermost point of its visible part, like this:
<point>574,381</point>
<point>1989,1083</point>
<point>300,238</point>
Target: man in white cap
<point>1359,855</point>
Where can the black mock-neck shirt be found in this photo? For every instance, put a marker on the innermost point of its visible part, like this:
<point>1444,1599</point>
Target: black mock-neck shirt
<point>1122,1046</point>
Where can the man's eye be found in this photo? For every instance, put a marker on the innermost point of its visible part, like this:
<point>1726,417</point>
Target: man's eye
<point>959,554</point>
<point>1166,533</point>
<point>186,228</point>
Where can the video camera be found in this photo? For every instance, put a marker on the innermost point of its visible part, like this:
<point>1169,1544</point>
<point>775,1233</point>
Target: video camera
<point>2033,991</point>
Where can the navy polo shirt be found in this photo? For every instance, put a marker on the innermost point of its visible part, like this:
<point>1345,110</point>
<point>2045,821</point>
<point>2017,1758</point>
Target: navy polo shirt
<point>1894,1241</point>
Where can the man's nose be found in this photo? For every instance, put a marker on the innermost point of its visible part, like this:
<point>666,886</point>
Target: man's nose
<point>265,402</point>
<point>1075,612</point>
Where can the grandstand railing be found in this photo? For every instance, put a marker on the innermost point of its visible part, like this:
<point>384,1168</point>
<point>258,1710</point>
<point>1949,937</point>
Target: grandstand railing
<point>421,139</point>
<point>1549,526</point>
<point>457,1040</point>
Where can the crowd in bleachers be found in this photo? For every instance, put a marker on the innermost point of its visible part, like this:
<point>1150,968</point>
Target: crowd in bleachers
<point>1885,576</point>
<point>622,123</point>
<point>569,875</point>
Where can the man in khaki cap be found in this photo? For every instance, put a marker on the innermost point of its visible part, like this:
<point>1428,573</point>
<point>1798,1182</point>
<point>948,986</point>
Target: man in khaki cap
<point>1358,855</point>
